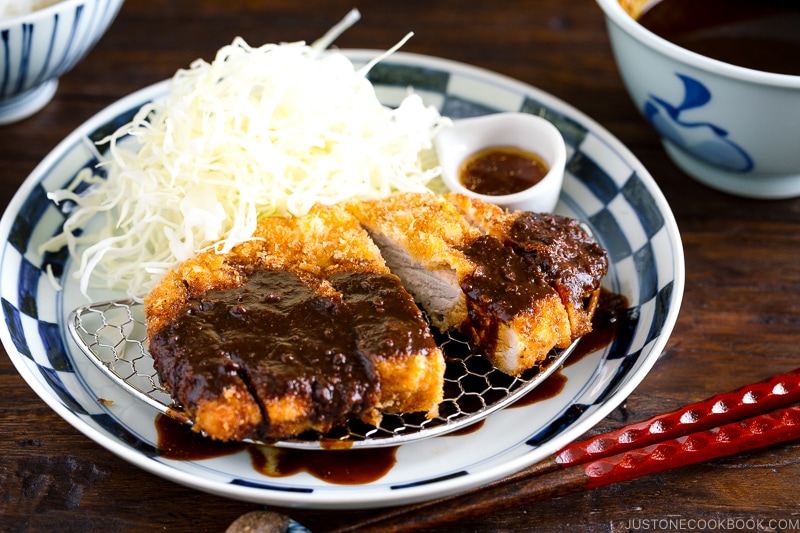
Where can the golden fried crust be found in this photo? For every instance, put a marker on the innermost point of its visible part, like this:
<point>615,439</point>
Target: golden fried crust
<point>489,218</point>
<point>497,221</point>
<point>230,417</point>
<point>327,241</point>
<point>546,326</point>
<point>412,384</point>
<point>425,225</point>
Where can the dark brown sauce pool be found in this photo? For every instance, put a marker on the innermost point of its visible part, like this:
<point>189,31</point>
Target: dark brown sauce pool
<point>466,430</point>
<point>338,465</point>
<point>611,314</point>
<point>758,34</point>
<point>549,388</point>
<point>348,467</point>
<point>498,171</point>
<point>177,441</point>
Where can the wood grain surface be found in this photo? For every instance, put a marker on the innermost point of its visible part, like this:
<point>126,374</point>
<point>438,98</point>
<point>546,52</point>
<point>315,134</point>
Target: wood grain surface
<point>740,319</point>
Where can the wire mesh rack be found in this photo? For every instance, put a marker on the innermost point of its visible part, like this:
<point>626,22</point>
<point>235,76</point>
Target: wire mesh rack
<point>113,336</point>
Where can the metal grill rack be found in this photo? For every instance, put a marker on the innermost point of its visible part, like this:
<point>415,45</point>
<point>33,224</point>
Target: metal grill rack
<point>113,336</point>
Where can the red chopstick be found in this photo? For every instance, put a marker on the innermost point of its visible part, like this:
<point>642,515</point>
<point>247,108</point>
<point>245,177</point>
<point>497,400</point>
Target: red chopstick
<point>749,400</point>
<point>719,426</point>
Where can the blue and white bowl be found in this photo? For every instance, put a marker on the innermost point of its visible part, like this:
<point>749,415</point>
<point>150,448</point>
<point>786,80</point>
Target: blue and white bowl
<point>732,128</point>
<point>38,47</point>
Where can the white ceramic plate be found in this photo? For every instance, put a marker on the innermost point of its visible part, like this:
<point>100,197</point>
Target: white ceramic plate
<point>605,186</point>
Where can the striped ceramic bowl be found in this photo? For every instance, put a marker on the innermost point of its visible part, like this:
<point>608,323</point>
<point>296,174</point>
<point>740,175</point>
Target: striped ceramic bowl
<point>38,47</point>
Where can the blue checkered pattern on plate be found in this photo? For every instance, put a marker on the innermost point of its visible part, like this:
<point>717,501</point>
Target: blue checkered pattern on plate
<point>604,186</point>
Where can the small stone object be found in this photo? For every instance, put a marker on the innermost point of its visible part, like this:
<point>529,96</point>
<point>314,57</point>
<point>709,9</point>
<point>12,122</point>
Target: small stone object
<point>259,522</point>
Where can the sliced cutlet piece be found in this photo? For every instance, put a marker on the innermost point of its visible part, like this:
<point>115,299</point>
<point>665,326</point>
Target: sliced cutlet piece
<point>209,385</point>
<point>275,335</point>
<point>556,246</point>
<point>210,390</point>
<point>391,332</point>
<point>421,239</point>
<point>391,329</point>
<point>308,318</point>
<point>466,280</point>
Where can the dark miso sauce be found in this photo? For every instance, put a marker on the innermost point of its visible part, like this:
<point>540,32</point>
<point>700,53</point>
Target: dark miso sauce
<point>466,430</point>
<point>758,34</point>
<point>498,171</point>
<point>611,315</point>
<point>339,466</point>
<point>549,388</point>
<point>178,441</point>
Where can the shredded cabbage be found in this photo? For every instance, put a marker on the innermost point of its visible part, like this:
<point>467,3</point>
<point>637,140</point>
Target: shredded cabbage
<point>258,132</point>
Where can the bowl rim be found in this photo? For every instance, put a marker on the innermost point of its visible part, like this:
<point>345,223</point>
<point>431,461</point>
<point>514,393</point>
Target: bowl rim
<point>616,14</point>
<point>34,16</point>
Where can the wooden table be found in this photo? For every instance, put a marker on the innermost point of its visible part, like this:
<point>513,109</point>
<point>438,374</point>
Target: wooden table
<point>740,319</point>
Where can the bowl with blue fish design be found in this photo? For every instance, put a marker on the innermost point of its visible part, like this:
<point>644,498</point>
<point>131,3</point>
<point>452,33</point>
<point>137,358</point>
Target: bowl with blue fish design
<point>724,96</point>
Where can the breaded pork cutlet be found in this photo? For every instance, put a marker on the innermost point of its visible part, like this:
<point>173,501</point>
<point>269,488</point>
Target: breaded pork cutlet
<point>566,257</point>
<point>467,280</point>
<point>301,328</point>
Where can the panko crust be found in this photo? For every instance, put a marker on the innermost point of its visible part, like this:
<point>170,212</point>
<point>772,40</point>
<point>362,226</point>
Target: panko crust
<point>326,242</point>
<point>579,289</point>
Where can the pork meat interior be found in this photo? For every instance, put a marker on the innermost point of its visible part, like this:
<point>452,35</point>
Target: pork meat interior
<point>459,259</point>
